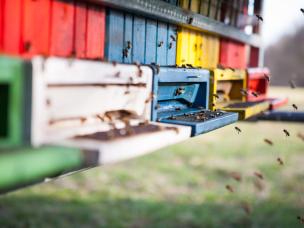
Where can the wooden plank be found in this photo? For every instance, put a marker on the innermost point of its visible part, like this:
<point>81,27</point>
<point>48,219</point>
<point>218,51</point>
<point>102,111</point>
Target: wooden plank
<point>139,37</point>
<point>182,46</point>
<point>128,37</point>
<point>115,36</point>
<point>62,31</point>
<point>95,32</point>
<point>80,28</point>
<point>195,6</point>
<point>12,27</point>
<point>36,27</point>
<point>192,48</point>
<point>185,4</point>
<point>151,41</point>
<point>172,43</point>
<point>162,46</point>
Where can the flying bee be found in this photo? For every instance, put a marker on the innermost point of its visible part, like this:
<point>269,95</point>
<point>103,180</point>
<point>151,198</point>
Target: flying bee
<point>255,94</point>
<point>259,17</point>
<point>238,130</point>
<point>301,136</point>
<point>246,207</point>
<point>229,188</point>
<point>82,120</point>
<point>173,38</point>
<point>267,77</point>
<point>160,43</point>
<point>286,132</point>
<point>125,53</point>
<point>269,142</point>
<point>259,185</point>
<point>190,20</point>
<point>295,106</point>
<point>302,10</point>
<point>172,118</point>
<point>117,74</point>
<point>292,84</point>
<point>189,65</point>
<point>259,175</point>
<point>244,92</point>
<point>216,96</point>
<point>170,45</point>
<point>280,161</point>
<point>232,69</point>
<point>236,176</point>
<point>129,45</point>
<point>150,98</point>
<point>140,72</point>
<point>114,63</point>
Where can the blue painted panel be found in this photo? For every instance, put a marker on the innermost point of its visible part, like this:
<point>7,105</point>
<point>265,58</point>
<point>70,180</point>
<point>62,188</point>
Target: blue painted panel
<point>114,36</point>
<point>171,44</point>
<point>162,47</point>
<point>151,41</point>
<point>128,37</point>
<point>139,37</point>
<point>194,99</point>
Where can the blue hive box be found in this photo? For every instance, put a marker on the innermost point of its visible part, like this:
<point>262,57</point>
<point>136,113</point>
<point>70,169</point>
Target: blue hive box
<point>181,97</point>
<point>131,38</point>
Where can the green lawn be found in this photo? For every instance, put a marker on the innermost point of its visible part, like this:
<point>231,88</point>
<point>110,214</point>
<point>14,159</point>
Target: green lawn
<point>180,186</point>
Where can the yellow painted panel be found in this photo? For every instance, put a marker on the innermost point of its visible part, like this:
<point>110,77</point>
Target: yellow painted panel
<point>229,83</point>
<point>199,52</point>
<point>192,48</point>
<point>214,51</point>
<point>195,6</point>
<point>245,113</point>
<point>182,46</point>
<point>184,4</point>
<point>205,51</point>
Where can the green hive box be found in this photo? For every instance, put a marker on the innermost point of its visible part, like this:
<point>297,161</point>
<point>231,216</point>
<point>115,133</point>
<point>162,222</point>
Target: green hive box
<point>15,80</point>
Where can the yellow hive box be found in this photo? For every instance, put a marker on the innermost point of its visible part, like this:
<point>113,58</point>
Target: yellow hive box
<point>228,92</point>
<point>197,49</point>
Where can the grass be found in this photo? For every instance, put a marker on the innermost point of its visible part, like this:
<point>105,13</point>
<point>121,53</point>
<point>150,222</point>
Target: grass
<point>179,186</point>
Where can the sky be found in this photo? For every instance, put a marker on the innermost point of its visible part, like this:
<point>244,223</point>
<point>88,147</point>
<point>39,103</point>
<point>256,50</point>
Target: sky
<point>281,17</point>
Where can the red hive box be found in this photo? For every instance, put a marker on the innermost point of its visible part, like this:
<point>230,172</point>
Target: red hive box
<point>52,27</point>
<point>257,83</point>
<point>232,54</point>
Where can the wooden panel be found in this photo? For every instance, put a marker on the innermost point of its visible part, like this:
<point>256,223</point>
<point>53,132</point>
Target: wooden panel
<point>139,36</point>
<point>172,37</point>
<point>80,29</point>
<point>185,4</point>
<point>12,27</point>
<point>128,37</point>
<point>204,7</point>
<point>192,48</point>
<point>182,46</point>
<point>162,32</point>
<point>254,57</point>
<point>151,41</point>
<point>115,36</point>
<point>195,6</point>
<point>36,27</point>
<point>232,54</point>
<point>95,32</point>
<point>62,31</point>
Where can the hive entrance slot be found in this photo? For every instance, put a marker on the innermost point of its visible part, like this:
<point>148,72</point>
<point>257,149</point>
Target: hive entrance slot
<point>4,105</point>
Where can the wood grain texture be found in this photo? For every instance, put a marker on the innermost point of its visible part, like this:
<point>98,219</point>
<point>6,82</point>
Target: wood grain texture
<point>62,32</point>
<point>80,29</point>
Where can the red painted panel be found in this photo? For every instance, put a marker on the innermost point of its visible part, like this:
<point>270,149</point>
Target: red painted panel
<point>80,29</point>
<point>36,27</point>
<point>232,54</point>
<point>257,83</point>
<point>254,57</point>
<point>95,32</point>
<point>1,24</point>
<point>62,31</point>
<point>12,27</point>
